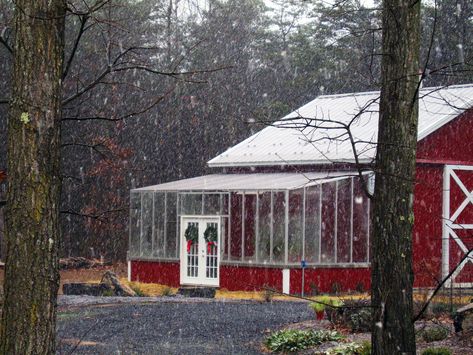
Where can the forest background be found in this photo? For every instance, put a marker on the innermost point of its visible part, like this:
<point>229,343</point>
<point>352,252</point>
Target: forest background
<point>155,88</point>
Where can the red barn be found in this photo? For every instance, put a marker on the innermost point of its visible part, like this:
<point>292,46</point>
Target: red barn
<point>292,196</point>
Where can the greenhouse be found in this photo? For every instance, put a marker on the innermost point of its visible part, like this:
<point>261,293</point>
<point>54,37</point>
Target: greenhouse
<point>270,219</point>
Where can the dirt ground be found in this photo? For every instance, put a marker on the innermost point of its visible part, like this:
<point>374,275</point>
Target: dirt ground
<point>457,343</point>
<point>85,275</point>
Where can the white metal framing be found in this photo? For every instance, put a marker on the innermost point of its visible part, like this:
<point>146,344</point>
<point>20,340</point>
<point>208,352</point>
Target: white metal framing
<point>226,256</point>
<point>449,226</point>
<point>201,277</point>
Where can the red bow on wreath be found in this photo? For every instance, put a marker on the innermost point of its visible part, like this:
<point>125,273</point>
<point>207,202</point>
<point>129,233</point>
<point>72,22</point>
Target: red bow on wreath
<point>209,247</point>
<point>189,245</point>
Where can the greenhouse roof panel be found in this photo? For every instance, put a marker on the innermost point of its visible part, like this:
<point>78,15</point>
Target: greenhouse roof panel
<point>249,182</point>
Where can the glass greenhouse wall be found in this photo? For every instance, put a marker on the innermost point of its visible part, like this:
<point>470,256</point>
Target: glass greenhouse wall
<point>326,223</point>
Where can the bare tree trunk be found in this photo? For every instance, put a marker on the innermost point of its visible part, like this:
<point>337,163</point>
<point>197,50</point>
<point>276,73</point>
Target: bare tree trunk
<point>32,228</point>
<point>393,216</point>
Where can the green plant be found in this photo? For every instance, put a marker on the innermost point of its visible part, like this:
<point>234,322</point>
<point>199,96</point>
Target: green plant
<point>360,287</point>
<point>291,340</point>
<point>360,321</point>
<point>434,333</point>
<point>108,293</point>
<point>351,349</point>
<point>268,294</point>
<point>438,308</point>
<point>325,302</point>
<point>336,287</point>
<point>317,307</point>
<point>330,305</point>
<point>437,351</point>
<point>314,290</point>
<point>139,292</point>
<point>355,315</point>
<point>166,291</point>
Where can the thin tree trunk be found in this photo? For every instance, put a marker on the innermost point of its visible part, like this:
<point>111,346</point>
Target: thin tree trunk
<point>31,221</point>
<point>393,218</point>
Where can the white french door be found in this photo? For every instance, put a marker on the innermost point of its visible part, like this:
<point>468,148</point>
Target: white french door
<point>200,257</point>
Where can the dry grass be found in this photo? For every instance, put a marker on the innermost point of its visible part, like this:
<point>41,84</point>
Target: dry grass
<point>148,289</point>
<point>248,295</point>
<point>94,276</point>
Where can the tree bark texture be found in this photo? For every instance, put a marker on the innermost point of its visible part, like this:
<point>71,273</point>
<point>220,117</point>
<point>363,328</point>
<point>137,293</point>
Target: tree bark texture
<point>31,220</point>
<point>393,216</point>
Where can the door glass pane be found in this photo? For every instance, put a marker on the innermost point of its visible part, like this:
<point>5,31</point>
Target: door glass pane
<point>211,255</point>
<point>192,248</point>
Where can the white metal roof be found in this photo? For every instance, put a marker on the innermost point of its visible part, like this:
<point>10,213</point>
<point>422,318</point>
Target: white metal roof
<point>248,182</point>
<point>289,141</point>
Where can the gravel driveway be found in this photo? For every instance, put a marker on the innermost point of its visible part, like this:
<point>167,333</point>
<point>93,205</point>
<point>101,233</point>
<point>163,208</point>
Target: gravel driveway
<point>180,326</point>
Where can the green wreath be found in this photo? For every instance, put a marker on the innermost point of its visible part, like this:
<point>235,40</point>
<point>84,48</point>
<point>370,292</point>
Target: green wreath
<point>192,233</point>
<point>211,234</point>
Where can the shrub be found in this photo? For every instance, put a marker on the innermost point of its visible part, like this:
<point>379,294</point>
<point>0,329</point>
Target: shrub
<point>360,320</point>
<point>434,333</point>
<point>292,340</point>
<point>268,295</point>
<point>166,291</point>
<point>439,308</point>
<point>351,349</point>
<point>314,290</point>
<point>139,292</point>
<point>336,287</point>
<point>437,351</point>
<point>317,307</point>
<point>108,293</point>
<point>360,287</point>
<point>356,315</point>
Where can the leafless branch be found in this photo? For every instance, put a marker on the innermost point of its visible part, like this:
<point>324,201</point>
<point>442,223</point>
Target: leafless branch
<point>71,8</point>
<point>97,216</point>
<point>83,20</point>
<point>4,41</point>
<point>440,285</point>
<point>123,117</point>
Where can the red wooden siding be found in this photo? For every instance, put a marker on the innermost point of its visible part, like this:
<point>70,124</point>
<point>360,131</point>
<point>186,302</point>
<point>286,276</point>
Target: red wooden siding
<point>427,235</point>
<point>237,278</point>
<point>451,143</point>
<point>330,279</point>
<point>166,273</point>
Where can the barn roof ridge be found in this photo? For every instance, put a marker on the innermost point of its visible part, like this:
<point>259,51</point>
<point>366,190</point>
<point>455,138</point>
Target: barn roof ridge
<point>373,92</point>
<point>314,133</point>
